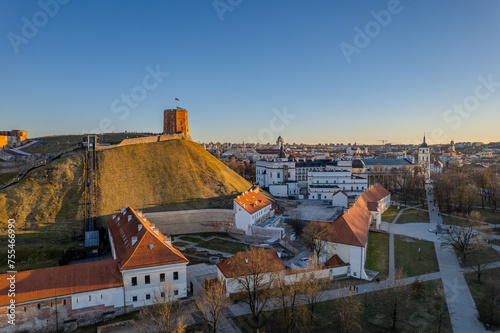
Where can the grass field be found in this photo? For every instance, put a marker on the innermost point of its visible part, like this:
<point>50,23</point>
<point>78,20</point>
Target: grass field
<point>406,256</point>
<point>478,290</point>
<point>4,177</point>
<point>180,244</point>
<point>51,195</point>
<point>413,216</point>
<point>170,175</point>
<point>377,257</point>
<point>190,239</point>
<point>421,317</point>
<point>390,214</point>
<point>226,246</point>
<point>486,256</point>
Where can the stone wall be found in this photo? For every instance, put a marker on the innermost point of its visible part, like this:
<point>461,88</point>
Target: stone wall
<point>193,221</point>
<point>40,316</point>
<point>147,139</point>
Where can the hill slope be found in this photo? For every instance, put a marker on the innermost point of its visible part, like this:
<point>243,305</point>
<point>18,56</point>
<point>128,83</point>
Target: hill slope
<point>169,175</point>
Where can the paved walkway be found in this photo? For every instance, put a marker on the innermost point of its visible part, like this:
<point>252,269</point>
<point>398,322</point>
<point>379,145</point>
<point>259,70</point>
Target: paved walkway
<point>461,305</point>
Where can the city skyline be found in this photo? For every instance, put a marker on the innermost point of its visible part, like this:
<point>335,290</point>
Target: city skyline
<point>250,71</point>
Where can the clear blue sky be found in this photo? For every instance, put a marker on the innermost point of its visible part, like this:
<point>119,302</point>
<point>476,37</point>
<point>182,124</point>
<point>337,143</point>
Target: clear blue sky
<point>230,74</point>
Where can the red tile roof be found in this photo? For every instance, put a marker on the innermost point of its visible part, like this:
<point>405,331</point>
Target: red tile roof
<point>62,280</point>
<point>335,261</point>
<point>252,201</point>
<point>352,227</point>
<point>267,151</point>
<point>341,191</point>
<point>150,248</point>
<point>232,266</point>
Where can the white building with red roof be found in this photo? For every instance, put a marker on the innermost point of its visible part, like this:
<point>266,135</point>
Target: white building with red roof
<point>251,208</point>
<point>347,237</point>
<point>65,297</point>
<point>146,258</point>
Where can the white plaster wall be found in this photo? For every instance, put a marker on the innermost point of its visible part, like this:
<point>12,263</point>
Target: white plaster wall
<point>106,297</point>
<point>141,289</point>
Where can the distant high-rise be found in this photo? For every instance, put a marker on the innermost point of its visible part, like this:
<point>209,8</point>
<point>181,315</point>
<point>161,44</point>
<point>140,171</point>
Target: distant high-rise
<point>175,121</point>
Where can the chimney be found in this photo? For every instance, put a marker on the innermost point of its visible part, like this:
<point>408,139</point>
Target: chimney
<point>278,252</point>
<point>123,210</point>
<point>155,231</point>
<point>139,227</point>
<point>167,240</point>
<point>134,240</point>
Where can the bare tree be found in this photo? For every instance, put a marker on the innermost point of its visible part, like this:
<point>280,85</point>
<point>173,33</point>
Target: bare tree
<point>257,275</point>
<point>288,290</point>
<point>394,302</point>
<point>477,255</point>
<point>309,234</point>
<point>212,302</point>
<point>489,304</point>
<point>461,238</point>
<point>313,288</point>
<point>440,308</point>
<point>162,315</point>
<point>348,311</point>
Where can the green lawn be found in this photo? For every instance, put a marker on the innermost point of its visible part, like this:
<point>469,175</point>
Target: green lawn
<point>223,245</point>
<point>390,214</point>
<point>490,217</point>
<point>486,256</point>
<point>210,234</point>
<point>478,290</point>
<point>377,257</point>
<point>4,177</point>
<point>189,239</point>
<point>495,242</point>
<point>406,256</point>
<point>421,317</point>
<point>413,216</point>
<point>454,220</point>
<point>36,250</point>
<point>180,244</point>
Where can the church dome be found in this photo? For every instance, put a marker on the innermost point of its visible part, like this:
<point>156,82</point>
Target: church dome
<point>358,164</point>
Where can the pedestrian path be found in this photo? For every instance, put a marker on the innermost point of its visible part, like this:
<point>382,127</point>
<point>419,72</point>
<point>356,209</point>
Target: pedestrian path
<point>461,305</point>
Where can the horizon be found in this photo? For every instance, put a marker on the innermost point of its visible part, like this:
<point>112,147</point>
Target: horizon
<point>328,72</point>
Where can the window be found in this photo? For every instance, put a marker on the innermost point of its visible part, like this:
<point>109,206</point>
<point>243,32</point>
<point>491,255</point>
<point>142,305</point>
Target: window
<point>147,279</point>
<point>162,294</point>
<point>39,304</point>
<point>176,275</point>
<point>90,298</point>
<point>134,281</point>
<point>64,302</point>
<point>148,297</point>
<point>24,309</point>
<point>134,298</point>
<point>162,277</point>
<point>176,292</point>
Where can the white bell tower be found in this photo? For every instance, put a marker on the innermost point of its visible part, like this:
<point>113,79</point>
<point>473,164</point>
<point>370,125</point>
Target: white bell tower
<point>424,159</point>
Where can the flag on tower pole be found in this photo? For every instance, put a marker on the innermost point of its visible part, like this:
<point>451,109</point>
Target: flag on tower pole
<point>175,102</point>
<point>176,99</point>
